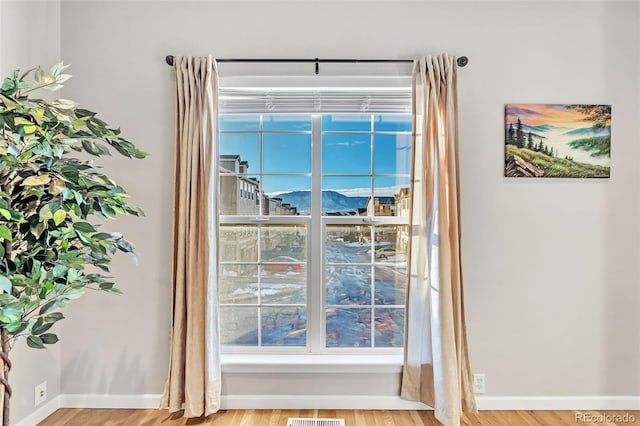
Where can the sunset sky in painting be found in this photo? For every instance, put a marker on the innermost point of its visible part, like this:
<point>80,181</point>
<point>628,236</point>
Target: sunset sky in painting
<point>539,114</point>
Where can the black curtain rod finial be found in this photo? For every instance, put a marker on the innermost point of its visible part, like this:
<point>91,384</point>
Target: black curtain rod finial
<point>462,61</point>
<point>169,60</point>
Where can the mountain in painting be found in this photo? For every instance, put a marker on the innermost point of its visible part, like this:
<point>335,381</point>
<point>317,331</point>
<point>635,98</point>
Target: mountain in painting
<point>590,131</point>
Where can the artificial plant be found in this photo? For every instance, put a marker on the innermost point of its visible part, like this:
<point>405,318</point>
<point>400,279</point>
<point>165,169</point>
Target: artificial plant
<point>51,248</point>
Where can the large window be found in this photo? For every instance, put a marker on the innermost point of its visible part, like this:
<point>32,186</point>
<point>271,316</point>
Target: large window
<point>314,230</point>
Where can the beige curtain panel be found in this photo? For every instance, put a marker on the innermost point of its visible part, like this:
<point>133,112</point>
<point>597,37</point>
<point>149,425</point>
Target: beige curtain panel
<point>436,368</point>
<point>194,379</point>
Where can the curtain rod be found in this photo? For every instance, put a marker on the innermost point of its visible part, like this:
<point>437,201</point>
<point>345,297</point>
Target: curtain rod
<point>462,61</point>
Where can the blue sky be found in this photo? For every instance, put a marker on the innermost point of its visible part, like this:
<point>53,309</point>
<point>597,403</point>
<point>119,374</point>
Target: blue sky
<point>346,156</point>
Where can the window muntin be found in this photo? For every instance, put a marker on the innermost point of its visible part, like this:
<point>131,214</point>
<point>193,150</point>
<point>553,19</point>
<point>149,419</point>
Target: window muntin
<point>354,284</point>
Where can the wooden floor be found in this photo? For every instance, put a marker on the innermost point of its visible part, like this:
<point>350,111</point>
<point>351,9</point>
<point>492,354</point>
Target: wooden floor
<point>103,417</point>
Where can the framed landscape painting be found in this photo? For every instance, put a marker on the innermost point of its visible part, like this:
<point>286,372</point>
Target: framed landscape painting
<point>557,140</point>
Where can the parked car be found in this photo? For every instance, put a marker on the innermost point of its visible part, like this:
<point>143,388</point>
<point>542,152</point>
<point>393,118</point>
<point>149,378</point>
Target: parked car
<point>288,264</point>
<point>385,252</point>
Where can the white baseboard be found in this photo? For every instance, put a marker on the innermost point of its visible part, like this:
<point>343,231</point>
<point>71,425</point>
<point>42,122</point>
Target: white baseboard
<point>41,413</point>
<point>571,403</point>
<point>337,402</point>
<point>109,401</point>
<point>333,402</point>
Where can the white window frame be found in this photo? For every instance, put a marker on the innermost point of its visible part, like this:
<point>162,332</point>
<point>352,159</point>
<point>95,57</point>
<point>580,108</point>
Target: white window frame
<point>315,351</point>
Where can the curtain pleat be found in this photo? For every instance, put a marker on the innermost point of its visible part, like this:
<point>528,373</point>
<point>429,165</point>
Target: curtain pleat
<point>194,379</point>
<point>436,364</point>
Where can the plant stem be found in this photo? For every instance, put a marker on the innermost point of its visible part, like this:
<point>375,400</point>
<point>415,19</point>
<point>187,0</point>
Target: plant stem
<point>5,344</point>
<point>4,379</point>
<point>23,92</point>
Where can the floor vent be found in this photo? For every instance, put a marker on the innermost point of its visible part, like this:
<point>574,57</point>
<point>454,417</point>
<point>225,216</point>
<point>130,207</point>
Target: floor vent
<point>314,422</point>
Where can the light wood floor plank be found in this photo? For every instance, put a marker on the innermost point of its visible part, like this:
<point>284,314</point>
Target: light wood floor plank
<point>112,417</point>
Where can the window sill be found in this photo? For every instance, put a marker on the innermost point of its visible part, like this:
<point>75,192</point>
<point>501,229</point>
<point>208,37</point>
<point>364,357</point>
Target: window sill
<point>278,363</point>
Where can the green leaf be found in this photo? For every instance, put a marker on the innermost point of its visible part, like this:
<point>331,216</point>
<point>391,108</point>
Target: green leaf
<point>59,271</point>
<point>5,284</point>
<point>35,342</point>
<point>41,328</point>
<point>59,217</point>
<point>39,322</point>
<point>8,85</point>
<point>73,294</point>
<point>5,232</point>
<point>53,317</point>
<point>49,338</point>
<point>106,286</point>
<point>17,327</point>
<point>29,129</point>
<point>84,227</point>
<point>12,313</point>
<point>5,213</point>
<point>126,246</point>
<point>90,147</point>
<point>101,236</point>
<point>39,75</point>
<point>45,213</point>
<point>47,306</point>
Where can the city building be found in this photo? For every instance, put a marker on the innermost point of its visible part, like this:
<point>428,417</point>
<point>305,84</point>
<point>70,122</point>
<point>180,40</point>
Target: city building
<point>381,206</point>
<point>239,194</point>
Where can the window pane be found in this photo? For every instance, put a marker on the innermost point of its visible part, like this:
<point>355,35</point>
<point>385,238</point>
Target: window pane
<point>346,123</point>
<point>239,122</point>
<point>284,326</point>
<point>238,284</point>
<point>238,243</point>
<point>346,153</point>
<point>239,153</point>
<point>283,287</point>
<point>392,123</point>
<point>286,153</point>
<point>291,122</point>
<point>348,244</point>
<point>287,195</point>
<point>390,285</point>
<point>348,285</point>
<point>240,326</point>
<point>392,154</point>
<point>389,324</point>
<point>283,243</point>
<point>345,195</point>
<point>348,327</point>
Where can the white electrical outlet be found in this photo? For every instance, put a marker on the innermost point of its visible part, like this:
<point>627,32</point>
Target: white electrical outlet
<point>40,394</point>
<point>479,385</point>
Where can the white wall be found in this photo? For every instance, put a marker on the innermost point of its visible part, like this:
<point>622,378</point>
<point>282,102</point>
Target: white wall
<point>551,266</point>
<point>30,36</point>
